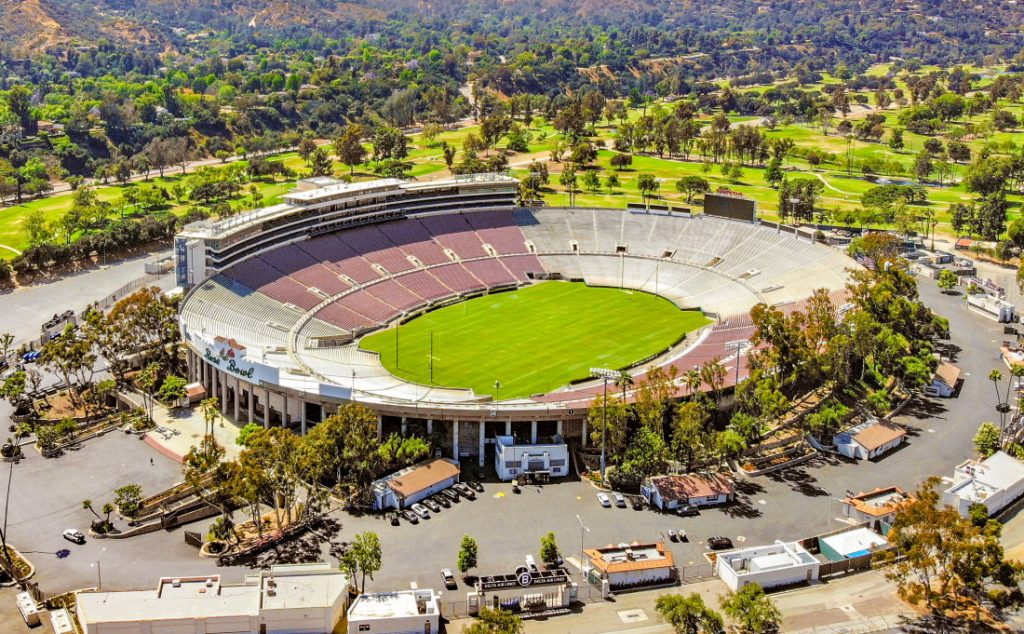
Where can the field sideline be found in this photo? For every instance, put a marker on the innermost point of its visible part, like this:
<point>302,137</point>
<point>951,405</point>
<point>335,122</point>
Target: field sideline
<point>534,339</point>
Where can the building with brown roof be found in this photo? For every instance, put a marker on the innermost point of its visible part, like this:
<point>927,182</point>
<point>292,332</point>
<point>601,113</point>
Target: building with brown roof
<point>668,492</point>
<point>633,564</point>
<point>869,440</point>
<point>404,488</point>
<point>878,505</point>
<point>945,381</point>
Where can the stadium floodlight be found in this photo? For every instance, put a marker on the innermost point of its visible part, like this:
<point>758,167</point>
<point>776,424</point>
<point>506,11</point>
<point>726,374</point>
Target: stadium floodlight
<point>497,393</point>
<point>740,347</point>
<point>605,374</point>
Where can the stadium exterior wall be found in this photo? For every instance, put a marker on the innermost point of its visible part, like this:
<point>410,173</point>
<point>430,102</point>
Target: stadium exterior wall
<point>467,429</point>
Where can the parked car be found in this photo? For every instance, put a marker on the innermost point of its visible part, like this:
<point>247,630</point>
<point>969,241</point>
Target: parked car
<point>394,519</point>
<point>74,535</point>
<point>688,510</point>
<point>604,499</point>
<point>420,510</point>
<point>442,500</point>
<point>464,491</point>
<point>638,502</point>
<point>476,486</point>
<point>453,496</point>
<point>515,487</point>
<point>672,534</point>
<point>681,535</point>
<point>531,564</point>
<point>719,543</point>
<point>449,578</point>
<point>410,517</point>
<point>430,504</point>
<point>620,501</point>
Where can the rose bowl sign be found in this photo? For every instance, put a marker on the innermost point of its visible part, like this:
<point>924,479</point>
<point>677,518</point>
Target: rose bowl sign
<point>229,355</point>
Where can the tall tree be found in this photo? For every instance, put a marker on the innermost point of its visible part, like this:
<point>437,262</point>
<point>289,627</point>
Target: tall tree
<point>349,146</point>
<point>688,614</point>
<point>752,610</point>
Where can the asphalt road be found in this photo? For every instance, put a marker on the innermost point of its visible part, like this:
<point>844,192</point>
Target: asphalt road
<point>24,309</point>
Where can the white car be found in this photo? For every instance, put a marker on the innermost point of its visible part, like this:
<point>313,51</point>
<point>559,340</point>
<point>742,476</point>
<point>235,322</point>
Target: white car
<point>420,510</point>
<point>74,535</point>
<point>604,499</point>
<point>620,501</point>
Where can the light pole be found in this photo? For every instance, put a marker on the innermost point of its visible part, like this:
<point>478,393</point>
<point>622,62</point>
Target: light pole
<point>605,374</point>
<point>497,394</point>
<point>99,571</point>
<point>583,531</point>
<point>830,499</point>
<point>740,346</point>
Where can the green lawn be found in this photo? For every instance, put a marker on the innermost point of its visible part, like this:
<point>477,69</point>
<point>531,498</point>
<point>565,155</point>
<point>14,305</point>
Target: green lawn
<point>534,339</point>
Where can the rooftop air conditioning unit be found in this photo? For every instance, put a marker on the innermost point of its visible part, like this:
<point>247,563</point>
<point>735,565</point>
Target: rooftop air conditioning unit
<point>176,583</point>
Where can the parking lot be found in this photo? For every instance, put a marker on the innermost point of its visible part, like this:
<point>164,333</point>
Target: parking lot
<point>46,499</point>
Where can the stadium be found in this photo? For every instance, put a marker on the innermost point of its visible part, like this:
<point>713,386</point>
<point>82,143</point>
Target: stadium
<point>451,311</point>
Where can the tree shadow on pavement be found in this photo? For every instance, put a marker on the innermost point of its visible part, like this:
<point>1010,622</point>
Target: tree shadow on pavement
<point>742,506</point>
<point>936,624</point>
<point>921,408</point>
<point>800,481</point>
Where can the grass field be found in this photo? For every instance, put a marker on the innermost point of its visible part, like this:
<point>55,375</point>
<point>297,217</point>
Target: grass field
<point>532,340</point>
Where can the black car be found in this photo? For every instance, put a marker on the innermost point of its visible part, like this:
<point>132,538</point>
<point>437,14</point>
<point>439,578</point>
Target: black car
<point>432,505</point>
<point>637,502</point>
<point>464,491</point>
<point>411,517</point>
<point>688,510</point>
<point>476,486</point>
<point>452,496</point>
<point>442,500</point>
<point>394,519</point>
<point>719,543</point>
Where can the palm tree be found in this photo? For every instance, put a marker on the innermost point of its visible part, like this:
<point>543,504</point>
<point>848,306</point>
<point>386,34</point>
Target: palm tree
<point>108,508</point>
<point>996,376</point>
<point>692,380</point>
<point>624,381</point>
<point>87,504</point>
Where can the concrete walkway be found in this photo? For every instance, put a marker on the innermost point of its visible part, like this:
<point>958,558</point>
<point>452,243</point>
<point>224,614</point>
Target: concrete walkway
<point>178,430</point>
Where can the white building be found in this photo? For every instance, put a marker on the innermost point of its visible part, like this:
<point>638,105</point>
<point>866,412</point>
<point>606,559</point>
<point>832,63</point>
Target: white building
<point>404,612</point>
<point>779,564</point>
<point>404,488</point>
<point>996,482</point>
<point>991,307</point>
<point>849,544</point>
<point>293,599</point>
<point>945,380</point>
<point>668,492</point>
<point>869,440</point>
<point>633,564</point>
<point>539,460</point>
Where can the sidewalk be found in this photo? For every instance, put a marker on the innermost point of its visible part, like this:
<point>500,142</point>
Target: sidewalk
<point>865,602</point>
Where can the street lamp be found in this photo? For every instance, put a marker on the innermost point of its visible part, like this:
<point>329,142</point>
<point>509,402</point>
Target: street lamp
<point>99,572</point>
<point>583,531</point>
<point>605,374</point>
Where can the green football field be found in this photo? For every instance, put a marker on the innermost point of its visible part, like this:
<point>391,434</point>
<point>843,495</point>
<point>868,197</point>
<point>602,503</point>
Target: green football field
<point>532,340</point>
